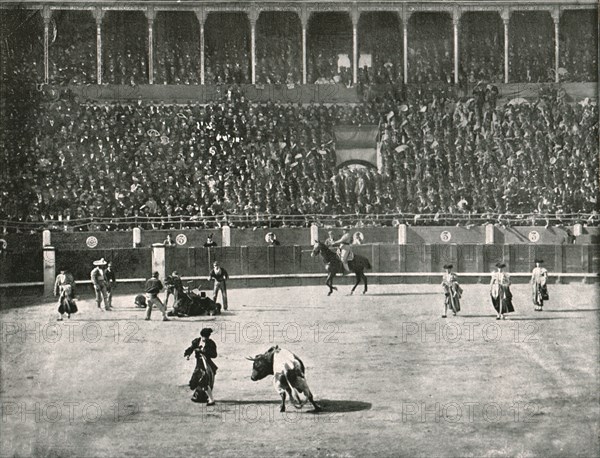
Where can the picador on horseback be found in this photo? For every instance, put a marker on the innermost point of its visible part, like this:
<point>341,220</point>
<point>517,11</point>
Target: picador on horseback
<point>344,250</point>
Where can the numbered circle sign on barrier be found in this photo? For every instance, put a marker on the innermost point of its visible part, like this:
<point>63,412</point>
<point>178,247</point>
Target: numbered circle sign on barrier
<point>181,239</point>
<point>445,236</point>
<point>91,242</point>
<point>534,236</point>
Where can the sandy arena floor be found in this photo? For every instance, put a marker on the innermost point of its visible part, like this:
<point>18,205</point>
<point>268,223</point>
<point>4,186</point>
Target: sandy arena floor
<point>393,377</point>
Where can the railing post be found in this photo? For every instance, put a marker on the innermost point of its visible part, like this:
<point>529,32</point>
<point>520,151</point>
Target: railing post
<point>489,234</point>
<point>505,16</point>
<point>314,234</point>
<point>402,234</point>
<point>49,270</point>
<point>137,237</point>
<point>226,235</point>
<point>46,238</point>
<point>159,262</point>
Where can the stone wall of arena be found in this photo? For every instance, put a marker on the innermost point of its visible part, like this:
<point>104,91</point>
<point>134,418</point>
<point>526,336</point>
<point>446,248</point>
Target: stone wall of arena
<point>397,254</point>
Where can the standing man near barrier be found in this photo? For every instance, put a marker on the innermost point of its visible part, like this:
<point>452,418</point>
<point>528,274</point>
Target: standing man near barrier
<point>99,282</point>
<point>210,243</point>
<point>174,288</point>
<point>111,282</point>
<point>345,251</point>
<point>220,276</point>
<point>539,282</point>
<point>452,291</point>
<point>64,288</point>
<point>153,287</point>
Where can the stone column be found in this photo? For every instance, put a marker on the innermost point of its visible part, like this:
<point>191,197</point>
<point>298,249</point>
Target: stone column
<point>99,15</point>
<point>150,15</point>
<point>159,261</point>
<point>253,17</point>
<point>405,17</point>
<point>455,23</point>
<point>402,234</point>
<point>556,18</point>
<point>46,238</point>
<point>314,234</point>
<point>505,15</point>
<point>201,19</point>
<point>137,237</point>
<point>226,236</point>
<point>489,234</point>
<point>304,17</point>
<point>354,15</point>
<point>46,15</point>
<point>49,270</point>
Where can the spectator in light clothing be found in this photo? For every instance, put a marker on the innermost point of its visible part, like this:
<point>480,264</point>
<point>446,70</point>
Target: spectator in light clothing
<point>99,282</point>
<point>220,275</point>
<point>153,287</point>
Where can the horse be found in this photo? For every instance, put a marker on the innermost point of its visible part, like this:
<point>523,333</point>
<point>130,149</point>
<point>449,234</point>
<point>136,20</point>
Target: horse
<point>333,266</point>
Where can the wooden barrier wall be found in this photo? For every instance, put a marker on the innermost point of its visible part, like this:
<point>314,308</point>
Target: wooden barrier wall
<point>253,260</point>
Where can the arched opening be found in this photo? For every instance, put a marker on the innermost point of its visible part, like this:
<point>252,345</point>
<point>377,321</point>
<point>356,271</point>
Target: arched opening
<point>72,47</point>
<point>278,48</point>
<point>380,58</point>
<point>124,47</point>
<point>227,46</point>
<point>481,47</point>
<point>430,48</point>
<point>531,47</point>
<point>176,48</point>
<point>330,48</point>
<point>579,46</point>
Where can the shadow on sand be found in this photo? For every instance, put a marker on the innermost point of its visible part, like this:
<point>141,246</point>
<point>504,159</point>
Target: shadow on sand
<point>403,294</point>
<point>328,405</point>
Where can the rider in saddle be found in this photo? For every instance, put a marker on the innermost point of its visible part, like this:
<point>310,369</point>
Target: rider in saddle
<point>344,251</point>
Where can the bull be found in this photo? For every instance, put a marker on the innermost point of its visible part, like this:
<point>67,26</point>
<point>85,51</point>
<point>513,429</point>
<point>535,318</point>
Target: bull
<point>288,375</point>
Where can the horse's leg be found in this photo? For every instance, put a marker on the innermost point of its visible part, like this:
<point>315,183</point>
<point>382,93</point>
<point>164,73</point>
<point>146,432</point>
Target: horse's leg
<point>329,283</point>
<point>365,280</point>
<point>357,274</point>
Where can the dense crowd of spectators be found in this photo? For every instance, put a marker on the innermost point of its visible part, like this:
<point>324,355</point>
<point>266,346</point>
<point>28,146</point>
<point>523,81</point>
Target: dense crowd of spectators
<point>531,48</point>
<point>233,157</point>
<point>516,158</point>
<point>124,46</point>
<point>279,49</point>
<point>481,51</point>
<point>176,49</point>
<point>72,48</point>
<point>578,46</point>
<point>430,48</point>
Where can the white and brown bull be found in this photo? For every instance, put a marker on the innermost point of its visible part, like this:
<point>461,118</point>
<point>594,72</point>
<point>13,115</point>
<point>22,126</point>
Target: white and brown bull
<point>288,375</point>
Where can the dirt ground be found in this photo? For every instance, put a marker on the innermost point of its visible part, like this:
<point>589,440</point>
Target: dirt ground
<point>393,377</point>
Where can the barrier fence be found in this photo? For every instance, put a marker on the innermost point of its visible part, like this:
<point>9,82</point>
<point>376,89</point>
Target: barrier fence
<point>41,267</point>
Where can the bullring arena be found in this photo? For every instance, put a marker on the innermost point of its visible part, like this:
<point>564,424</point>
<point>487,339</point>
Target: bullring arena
<point>164,137</point>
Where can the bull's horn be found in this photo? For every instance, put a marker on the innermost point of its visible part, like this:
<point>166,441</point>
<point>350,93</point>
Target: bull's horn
<point>249,359</point>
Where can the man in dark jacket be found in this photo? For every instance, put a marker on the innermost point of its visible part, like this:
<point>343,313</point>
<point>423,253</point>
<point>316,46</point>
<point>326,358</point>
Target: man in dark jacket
<point>203,378</point>
<point>153,287</point>
<point>220,276</point>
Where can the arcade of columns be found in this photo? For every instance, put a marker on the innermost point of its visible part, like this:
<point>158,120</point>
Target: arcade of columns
<point>404,13</point>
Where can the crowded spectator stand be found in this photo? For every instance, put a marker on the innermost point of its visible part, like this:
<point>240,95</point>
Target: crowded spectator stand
<point>446,154</point>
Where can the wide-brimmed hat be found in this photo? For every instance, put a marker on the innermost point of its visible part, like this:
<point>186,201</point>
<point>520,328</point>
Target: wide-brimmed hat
<point>448,266</point>
<point>500,265</point>
<point>100,262</point>
<point>206,332</point>
<point>539,261</point>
